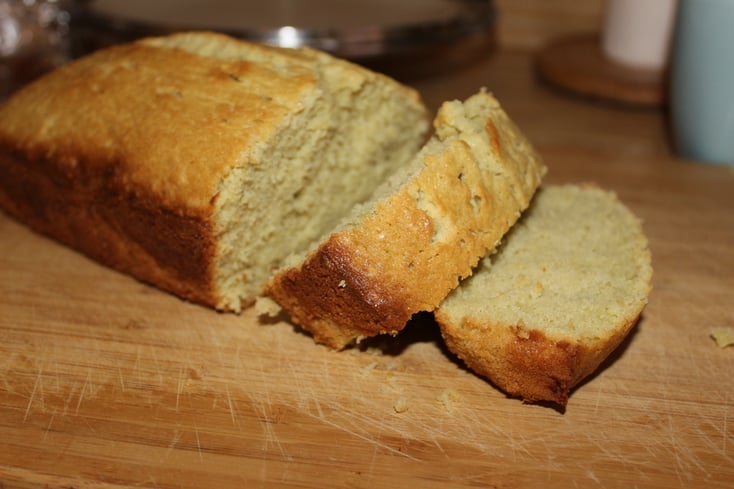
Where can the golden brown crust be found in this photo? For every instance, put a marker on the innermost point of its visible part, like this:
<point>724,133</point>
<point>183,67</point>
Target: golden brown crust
<point>527,363</point>
<point>521,363</point>
<point>94,216</point>
<point>409,252</point>
<point>330,289</point>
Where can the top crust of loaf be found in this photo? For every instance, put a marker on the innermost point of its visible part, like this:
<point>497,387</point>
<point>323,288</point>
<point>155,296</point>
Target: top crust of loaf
<point>158,142</point>
<point>560,294</point>
<point>423,231</point>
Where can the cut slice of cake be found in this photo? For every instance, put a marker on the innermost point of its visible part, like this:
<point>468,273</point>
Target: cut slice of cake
<point>556,298</point>
<point>422,231</point>
<point>197,162</point>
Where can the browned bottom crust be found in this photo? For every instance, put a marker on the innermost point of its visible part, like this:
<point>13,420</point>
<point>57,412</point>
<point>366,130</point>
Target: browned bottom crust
<point>337,310</point>
<point>169,249</point>
<point>526,363</point>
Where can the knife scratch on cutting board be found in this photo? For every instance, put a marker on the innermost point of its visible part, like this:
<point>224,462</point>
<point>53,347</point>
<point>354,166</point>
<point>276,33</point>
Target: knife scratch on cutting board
<point>364,438</point>
<point>263,407</point>
<point>332,411</point>
<point>363,414</point>
<point>177,434</point>
<point>31,399</point>
<point>82,392</point>
<point>179,386</point>
<point>47,430</point>
<point>232,408</point>
<point>198,442</point>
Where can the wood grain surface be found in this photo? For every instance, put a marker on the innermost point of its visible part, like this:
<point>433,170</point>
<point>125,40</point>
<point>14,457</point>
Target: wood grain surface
<point>108,383</point>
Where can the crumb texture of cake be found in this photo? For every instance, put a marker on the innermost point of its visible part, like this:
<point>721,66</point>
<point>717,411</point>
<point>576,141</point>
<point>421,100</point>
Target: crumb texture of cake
<point>402,251</point>
<point>558,296</point>
<point>197,162</point>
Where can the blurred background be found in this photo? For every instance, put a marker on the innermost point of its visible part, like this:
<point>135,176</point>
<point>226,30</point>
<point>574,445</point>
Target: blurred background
<point>400,37</point>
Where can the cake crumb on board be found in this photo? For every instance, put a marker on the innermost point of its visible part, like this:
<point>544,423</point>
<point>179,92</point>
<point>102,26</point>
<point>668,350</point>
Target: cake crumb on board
<point>401,405</point>
<point>367,369</point>
<point>723,336</point>
<point>448,397</point>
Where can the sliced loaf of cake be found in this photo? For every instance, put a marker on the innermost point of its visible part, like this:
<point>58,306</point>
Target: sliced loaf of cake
<point>196,162</point>
<point>422,231</point>
<point>557,297</point>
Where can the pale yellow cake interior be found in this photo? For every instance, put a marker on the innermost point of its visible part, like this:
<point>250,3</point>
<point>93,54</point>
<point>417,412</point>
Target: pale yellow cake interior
<point>574,266</point>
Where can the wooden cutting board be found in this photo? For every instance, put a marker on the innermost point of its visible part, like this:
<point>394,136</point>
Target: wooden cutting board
<point>108,383</point>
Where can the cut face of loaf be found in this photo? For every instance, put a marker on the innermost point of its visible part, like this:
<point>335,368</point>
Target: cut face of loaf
<point>424,230</point>
<point>197,162</point>
<point>558,296</point>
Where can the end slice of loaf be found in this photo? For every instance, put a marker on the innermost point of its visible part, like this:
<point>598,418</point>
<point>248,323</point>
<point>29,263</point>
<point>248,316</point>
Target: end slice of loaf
<point>558,296</point>
<point>197,162</point>
<point>424,230</point>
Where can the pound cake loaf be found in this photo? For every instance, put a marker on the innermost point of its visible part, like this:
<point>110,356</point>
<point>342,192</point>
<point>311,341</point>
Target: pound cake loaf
<point>558,296</point>
<point>422,231</point>
<point>197,162</point>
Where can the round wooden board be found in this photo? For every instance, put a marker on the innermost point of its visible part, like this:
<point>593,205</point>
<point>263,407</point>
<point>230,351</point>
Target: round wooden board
<point>578,64</point>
